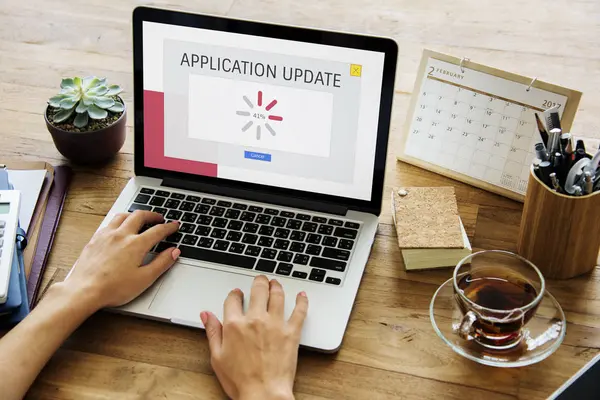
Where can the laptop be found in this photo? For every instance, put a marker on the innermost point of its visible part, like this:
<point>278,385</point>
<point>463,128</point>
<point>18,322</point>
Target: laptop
<point>269,144</point>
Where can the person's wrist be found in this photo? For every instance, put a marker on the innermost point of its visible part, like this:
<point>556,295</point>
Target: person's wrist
<point>266,393</point>
<point>87,298</point>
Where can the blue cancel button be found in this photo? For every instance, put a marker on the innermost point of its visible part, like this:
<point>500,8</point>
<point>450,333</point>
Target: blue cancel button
<point>257,156</point>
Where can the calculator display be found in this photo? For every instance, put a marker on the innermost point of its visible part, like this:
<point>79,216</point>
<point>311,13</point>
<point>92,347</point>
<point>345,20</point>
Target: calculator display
<point>4,208</point>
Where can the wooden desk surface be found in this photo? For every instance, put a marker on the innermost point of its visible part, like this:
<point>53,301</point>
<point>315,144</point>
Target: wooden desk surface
<point>390,349</point>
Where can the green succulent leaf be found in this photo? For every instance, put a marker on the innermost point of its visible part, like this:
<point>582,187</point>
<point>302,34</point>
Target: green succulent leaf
<point>69,90</point>
<point>96,112</point>
<point>77,81</point>
<point>98,90</point>
<point>81,108</point>
<point>117,108</point>
<point>63,115</point>
<point>54,101</point>
<point>113,90</point>
<point>88,100</point>
<point>86,82</point>
<point>68,103</point>
<point>81,120</point>
<point>68,83</point>
<point>104,102</point>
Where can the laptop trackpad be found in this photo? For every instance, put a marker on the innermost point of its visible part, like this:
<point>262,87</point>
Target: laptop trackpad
<point>187,290</point>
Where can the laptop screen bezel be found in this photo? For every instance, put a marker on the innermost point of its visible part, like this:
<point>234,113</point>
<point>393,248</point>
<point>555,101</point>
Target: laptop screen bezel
<point>378,44</point>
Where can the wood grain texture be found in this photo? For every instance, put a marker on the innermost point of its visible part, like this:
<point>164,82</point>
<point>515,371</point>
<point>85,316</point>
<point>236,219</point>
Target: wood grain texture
<point>560,234</point>
<point>390,349</point>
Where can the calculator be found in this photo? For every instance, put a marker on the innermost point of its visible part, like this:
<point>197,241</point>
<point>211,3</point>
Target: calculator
<point>9,217</point>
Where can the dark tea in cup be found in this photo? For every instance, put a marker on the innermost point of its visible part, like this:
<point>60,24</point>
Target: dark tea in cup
<point>498,294</point>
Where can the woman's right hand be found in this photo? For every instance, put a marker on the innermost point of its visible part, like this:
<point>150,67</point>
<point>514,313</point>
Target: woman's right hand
<point>255,354</point>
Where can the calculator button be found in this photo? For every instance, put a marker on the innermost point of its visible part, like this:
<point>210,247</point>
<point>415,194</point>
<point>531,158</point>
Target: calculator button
<point>1,242</point>
<point>2,224</point>
<point>1,232</point>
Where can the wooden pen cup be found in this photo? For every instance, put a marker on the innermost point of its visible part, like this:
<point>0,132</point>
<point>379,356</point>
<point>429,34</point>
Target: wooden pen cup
<point>560,234</point>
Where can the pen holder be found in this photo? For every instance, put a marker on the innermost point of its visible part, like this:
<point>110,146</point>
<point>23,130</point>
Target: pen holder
<point>560,234</point>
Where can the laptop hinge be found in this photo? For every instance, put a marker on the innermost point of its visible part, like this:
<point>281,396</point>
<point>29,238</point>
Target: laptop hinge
<point>269,198</point>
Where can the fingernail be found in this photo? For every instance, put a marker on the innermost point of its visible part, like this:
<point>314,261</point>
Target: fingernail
<point>303,294</point>
<point>175,254</point>
<point>204,317</point>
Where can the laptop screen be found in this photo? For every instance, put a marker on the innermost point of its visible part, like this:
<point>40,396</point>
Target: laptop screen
<point>261,110</point>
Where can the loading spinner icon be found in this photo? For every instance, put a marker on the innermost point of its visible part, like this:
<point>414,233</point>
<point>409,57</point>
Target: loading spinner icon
<point>259,115</point>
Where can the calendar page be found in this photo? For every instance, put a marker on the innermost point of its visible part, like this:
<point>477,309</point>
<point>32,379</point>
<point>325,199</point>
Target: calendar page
<point>476,124</point>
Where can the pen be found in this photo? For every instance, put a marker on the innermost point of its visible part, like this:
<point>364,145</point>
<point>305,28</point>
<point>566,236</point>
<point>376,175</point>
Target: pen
<point>554,181</point>
<point>580,145</point>
<point>542,129</point>
<point>579,154</point>
<point>545,171</point>
<point>536,168</point>
<point>587,181</point>
<point>554,139</point>
<point>540,152</point>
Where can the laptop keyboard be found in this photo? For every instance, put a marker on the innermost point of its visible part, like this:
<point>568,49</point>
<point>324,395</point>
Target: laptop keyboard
<point>269,240</point>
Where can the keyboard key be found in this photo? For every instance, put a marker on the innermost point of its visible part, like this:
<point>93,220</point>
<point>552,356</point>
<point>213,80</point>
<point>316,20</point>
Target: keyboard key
<point>325,229</point>
<point>346,244</point>
<point>224,203</point>
<point>174,214</point>
<point>327,263</point>
<point>187,228</point>
<point>330,241</point>
<point>218,257</point>
<point>218,233</point>
<point>316,271</point>
<point>235,225</point>
<point>187,206</point>
<point>301,259</point>
<point>285,256</point>
<point>309,227</point>
<point>163,193</point>
<point>265,265</point>
<point>303,217</point>
<point>237,248</point>
<point>313,250</point>
<point>351,225</point>
<point>320,220</point>
<point>250,227</point>
<point>157,201</point>
<point>297,235</point>
<point>206,200</point>
<point>192,198</point>
<point>144,229</point>
<point>281,244</point>
<point>189,217</point>
<point>345,233</point>
<point>263,219</point>
<point>221,245</point>
<point>336,222</point>
<point>190,240</point>
<point>268,253</point>
<point>287,214</point>
<point>299,274</point>
<point>282,233</point>
<point>294,224</point>
<point>232,214</point>
<point>249,238</point>
<point>298,247</point>
<point>147,191</point>
<point>239,206</point>
<point>142,199</point>
<point>219,222</point>
<point>143,207</point>
<point>162,246</point>
<point>314,238</point>
<point>265,241</point>
<point>338,254</point>
<point>284,269</point>
<point>278,221</point>
<point>202,230</point>
<point>255,209</point>
<point>204,220</point>
<point>252,251</point>
<point>160,210</point>
<point>177,196</point>
<point>234,236</point>
<point>174,238</point>
<point>247,216</point>
<point>217,211</point>
<point>202,209</point>
<point>266,230</point>
<point>316,278</point>
<point>174,204</point>
<point>271,211</point>
<point>333,281</point>
<point>206,242</point>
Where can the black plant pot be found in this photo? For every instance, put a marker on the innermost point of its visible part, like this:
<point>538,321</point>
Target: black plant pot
<point>92,147</point>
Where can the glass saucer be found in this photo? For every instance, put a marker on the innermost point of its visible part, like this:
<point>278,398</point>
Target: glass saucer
<point>541,336</point>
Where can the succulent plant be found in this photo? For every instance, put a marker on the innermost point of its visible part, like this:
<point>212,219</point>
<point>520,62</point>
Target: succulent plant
<point>88,97</point>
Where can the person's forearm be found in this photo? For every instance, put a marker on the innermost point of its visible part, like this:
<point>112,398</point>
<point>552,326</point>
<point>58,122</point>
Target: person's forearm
<point>27,347</point>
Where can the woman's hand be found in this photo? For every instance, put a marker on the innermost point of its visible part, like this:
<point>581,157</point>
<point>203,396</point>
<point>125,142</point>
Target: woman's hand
<point>255,355</point>
<point>109,271</point>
